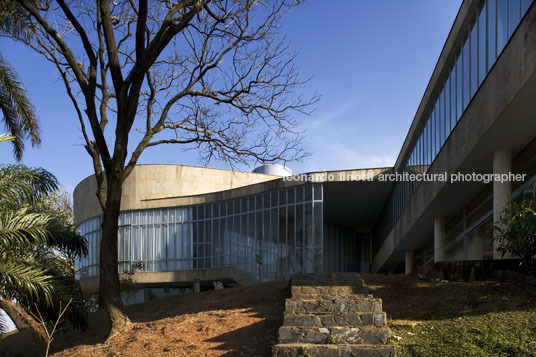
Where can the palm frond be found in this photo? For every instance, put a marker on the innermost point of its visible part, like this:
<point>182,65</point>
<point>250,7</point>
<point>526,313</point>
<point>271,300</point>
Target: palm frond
<point>23,279</point>
<point>13,21</point>
<point>21,184</point>
<point>18,112</point>
<point>23,227</point>
<point>6,137</point>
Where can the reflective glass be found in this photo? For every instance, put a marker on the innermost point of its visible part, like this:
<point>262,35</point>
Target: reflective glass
<point>482,50</point>
<point>502,24</point>
<point>459,87</point>
<point>474,60</point>
<point>299,194</point>
<point>514,12</point>
<point>525,4</point>
<point>492,32</point>
<point>466,74</point>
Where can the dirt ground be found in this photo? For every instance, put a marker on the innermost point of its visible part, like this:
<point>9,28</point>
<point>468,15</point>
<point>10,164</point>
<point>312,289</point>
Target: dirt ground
<point>230,322</point>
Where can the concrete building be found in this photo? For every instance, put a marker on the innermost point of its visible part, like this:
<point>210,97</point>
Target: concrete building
<point>477,119</point>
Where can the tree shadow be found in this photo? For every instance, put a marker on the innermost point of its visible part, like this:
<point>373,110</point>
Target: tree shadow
<point>263,303</point>
<point>408,298</point>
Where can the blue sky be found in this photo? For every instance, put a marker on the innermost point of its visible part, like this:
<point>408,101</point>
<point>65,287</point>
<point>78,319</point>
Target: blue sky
<point>370,61</point>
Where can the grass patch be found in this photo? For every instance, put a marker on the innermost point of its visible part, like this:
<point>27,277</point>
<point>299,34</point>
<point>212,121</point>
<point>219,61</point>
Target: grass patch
<point>458,319</point>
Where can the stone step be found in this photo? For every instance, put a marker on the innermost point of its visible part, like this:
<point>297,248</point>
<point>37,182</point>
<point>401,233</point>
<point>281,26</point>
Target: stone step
<point>302,350</point>
<point>368,335</point>
<point>352,319</point>
<point>330,304</point>
<point>326,284</point>
<point>316,291</point>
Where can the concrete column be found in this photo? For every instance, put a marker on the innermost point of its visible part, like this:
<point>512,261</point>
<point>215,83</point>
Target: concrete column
<point>502,192</point>
<point>439,239</point>
<point>409,261</point>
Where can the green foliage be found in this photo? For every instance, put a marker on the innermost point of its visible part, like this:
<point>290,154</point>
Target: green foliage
<point>18,113</point>
<point>38,245</point>
<point>304,353</point>
<point>517,233</point>
<point>333,340</point>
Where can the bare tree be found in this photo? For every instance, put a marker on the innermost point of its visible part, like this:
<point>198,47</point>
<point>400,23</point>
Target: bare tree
<point>212,75</point>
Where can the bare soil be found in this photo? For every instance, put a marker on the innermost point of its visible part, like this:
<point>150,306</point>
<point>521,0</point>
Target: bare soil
<point>230,322</point>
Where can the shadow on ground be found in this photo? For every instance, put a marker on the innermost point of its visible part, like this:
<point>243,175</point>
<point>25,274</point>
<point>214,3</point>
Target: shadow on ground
<point>408,298</point>
<point>230,322</point>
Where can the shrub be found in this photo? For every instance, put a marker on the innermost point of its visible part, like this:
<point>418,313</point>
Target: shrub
<point>517,233</point>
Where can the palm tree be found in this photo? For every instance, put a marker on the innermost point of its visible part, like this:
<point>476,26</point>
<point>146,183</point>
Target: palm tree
<point>36,250</point>
<point>18,113</point>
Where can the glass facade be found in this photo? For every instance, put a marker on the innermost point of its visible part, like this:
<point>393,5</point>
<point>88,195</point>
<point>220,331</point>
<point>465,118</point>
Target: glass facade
<point>488,32</point>
<point>282,230</point>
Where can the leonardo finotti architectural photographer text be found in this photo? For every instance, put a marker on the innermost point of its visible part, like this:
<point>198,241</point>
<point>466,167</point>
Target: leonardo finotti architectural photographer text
<point>406,177</point>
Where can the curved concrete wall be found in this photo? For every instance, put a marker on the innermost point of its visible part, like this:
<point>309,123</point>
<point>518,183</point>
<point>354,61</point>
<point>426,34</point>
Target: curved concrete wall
<point>162,181</point>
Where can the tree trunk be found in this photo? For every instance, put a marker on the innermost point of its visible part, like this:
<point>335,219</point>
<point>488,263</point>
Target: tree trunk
<point>109,277</point>
<point>19,322</point>
<point>21,319</point>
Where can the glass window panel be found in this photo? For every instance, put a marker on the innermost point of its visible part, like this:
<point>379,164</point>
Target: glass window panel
<point>438,127</point>
<point>274,198</point>
<point>448,107</point>
<point>482,50</point>
<point>194,213</point>
<point>251,203</point>
<point>442,117</point>
<point>459,87</point>
<point>283,247</point>
<point>266,240</point>
<point>274,229</point>
<point>266,199</point>
<point>430,142</point>
<point>208,243</point>
<point>283,197</point>
<point>525,4</point>
<point>216,209</point>
<point>229,208</point>
<point>492,32</point>
<point>502,23</point>
<point>258,231</point>
<point>244,203</point>
<point>291,195</point>
<point>299,237</point>
<point>291,230</point>
<point>308,244</point>
<point>433,132</point>
<point>474,61</point>
<point>208,211</point>
<point>515,15</point>
<point>236,206</point>
<point>317,188</point>
<point>216,239</point>
<point>466,73</point>
<point>258,199</point>
<point>420,156</point>
<point>308,192</point>
<point>299,194</point>
<point>222,241</point>
<point>143,217</point>
<point>425,148</point>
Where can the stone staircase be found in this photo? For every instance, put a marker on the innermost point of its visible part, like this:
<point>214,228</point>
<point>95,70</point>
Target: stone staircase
<point>332,315</point>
